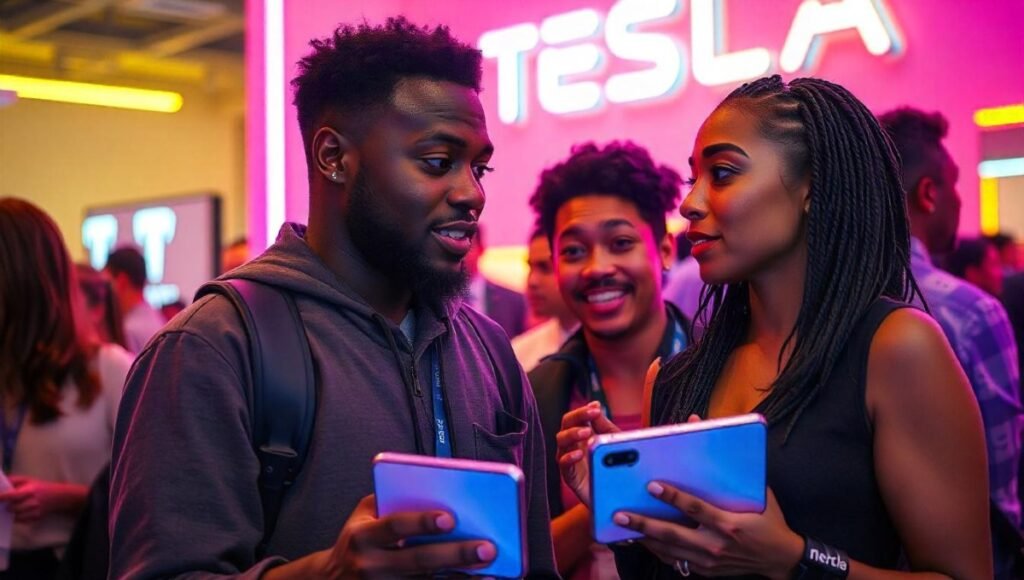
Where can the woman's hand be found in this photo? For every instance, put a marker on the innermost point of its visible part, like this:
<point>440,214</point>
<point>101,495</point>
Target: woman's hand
<point>724,543</point>
<point>577,426</point>
<point>31,499</point>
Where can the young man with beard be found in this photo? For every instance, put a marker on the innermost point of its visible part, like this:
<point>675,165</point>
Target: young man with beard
<point>396,146</point>
<point>604,212</point>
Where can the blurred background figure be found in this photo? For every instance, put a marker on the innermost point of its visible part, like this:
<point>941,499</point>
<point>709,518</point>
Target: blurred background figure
<point>546,304</point>
<point>233,256</point>
<point>170,310</point>
<point>504,306</point>
<point>974,322</point>
<point>101,306</point>
<point>977,261</point>
<point>1010,256</point>
<point>126,269</point>
<point>60,388</point>
<point>684,284</point>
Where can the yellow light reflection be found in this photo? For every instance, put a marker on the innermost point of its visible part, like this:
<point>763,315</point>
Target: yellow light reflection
<point>1000,116</point>
<point>989,206</point>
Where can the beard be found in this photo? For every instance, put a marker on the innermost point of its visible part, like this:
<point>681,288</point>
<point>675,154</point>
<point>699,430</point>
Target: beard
<point>386,249</point>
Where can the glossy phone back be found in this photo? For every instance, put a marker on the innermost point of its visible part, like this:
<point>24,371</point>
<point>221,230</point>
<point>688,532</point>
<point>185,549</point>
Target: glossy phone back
<point>721,461</point>
<point>485,498</point>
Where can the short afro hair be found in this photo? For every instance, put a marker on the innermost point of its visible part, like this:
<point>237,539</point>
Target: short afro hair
<point>918,137</point>
<point>621,169</point>
<point>357,67</point>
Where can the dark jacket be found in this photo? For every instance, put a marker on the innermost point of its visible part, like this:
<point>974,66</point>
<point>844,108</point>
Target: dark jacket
<point>556,376</point>
<point>506,307</point>
<point>184,498</point>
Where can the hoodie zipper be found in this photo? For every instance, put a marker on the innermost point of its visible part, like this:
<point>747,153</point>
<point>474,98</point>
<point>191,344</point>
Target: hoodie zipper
<point>415,379</point>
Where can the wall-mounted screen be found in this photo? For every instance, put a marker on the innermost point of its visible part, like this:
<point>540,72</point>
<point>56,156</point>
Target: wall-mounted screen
<point>178,236</point>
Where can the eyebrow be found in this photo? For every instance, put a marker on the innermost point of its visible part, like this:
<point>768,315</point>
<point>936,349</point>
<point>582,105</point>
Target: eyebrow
<point>605,225</point>
<point>712,150</point>
<point>455,141</point>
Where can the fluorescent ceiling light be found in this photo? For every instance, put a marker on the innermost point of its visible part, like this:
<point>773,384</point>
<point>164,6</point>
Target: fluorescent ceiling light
<point>92,94</point>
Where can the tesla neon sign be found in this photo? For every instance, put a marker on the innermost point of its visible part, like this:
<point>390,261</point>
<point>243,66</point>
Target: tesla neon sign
<point>569,48</point>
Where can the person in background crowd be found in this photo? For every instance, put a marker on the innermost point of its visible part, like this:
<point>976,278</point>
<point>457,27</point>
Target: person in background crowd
<point>397,148</point>
<point>875,444</point>
<point>502,305</point>
<point>977,261</point>
<point>684,285</point>
<point>234,255</point>
<point>171,309</point>
<point>604,210</point>
<point>546,304</point>
<point>104,313</point>
<point>60,388</point>
<point>1010,255</point>
<point>974,322</point>
<point>126,269</point>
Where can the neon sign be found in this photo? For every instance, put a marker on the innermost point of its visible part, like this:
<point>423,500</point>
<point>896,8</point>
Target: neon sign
<point>568,48</point>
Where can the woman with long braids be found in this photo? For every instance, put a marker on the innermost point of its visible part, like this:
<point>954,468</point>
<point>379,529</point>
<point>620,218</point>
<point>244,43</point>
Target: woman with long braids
<point>59,385</point>
<point>876,456</point>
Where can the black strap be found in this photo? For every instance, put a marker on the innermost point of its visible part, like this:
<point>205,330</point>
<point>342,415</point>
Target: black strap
<point>283,404</point>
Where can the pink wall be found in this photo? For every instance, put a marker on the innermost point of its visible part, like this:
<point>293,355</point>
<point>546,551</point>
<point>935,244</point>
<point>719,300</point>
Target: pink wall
<point>957,57</point>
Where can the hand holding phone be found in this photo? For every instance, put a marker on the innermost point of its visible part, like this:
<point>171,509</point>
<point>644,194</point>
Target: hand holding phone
<point>722,462</point>
<point>578,426</point>
<point>368,545</point>
<point>484,501</point>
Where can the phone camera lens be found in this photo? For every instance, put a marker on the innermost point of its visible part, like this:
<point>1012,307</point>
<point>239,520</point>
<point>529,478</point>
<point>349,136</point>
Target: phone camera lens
<point>621,458</point>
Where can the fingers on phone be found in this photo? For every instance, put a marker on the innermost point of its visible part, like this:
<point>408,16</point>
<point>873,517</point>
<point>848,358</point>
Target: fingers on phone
<point>390,530</point>
<point>434,557</point>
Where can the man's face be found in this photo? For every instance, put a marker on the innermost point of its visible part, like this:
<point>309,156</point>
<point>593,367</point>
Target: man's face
<point>541,284</point>
<point>945,221</point>
<point>609,264</point>
<point>413,210</point>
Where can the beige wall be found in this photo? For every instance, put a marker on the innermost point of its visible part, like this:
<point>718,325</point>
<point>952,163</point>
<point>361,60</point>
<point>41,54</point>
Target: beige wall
<point>67,157</point>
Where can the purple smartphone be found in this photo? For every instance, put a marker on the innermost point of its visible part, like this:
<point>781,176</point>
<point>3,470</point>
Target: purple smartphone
<point>721,461</point>
<point>486,499</point>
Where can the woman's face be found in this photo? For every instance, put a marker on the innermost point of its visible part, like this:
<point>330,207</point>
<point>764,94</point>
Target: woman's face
<point>746,211</point>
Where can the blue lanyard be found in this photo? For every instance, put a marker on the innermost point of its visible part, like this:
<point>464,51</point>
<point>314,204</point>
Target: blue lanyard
<point>10,435</point>
<point>443,442</point>
<point>597,391</point>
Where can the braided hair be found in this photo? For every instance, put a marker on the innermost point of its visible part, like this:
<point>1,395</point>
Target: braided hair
<point>858,248</point>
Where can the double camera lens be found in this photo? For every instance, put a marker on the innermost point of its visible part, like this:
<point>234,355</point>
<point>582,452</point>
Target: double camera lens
<point>621,458</point>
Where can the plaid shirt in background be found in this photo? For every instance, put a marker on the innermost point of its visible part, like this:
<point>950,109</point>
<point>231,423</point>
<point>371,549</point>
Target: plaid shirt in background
<point>979,331</point>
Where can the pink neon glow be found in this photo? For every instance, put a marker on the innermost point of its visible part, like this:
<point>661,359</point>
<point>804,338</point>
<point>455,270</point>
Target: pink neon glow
<point>957,57</point>
<point>255,127</point>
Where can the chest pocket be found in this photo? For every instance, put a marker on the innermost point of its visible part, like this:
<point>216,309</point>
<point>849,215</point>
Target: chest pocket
<point>505,444</point>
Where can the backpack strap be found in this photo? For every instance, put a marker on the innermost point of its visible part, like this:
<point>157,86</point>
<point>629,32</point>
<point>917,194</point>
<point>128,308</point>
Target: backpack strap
<point>283,404</point>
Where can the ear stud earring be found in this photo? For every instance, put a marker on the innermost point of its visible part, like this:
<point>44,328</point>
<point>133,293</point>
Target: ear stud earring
<point>334,175</point>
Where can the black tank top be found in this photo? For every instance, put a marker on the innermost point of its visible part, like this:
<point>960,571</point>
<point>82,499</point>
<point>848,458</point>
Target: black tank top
<point>824,474</point>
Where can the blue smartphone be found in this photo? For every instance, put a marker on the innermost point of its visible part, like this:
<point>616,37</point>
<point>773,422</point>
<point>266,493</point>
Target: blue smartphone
<point>721,461</point>
<point>486,499</point>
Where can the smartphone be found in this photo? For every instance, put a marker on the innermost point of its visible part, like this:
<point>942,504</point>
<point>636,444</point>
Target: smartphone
<point>486,499</point>
<point>721,461</point>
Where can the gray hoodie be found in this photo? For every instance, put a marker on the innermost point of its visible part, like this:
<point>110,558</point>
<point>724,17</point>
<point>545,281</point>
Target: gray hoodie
<point>184,500</point>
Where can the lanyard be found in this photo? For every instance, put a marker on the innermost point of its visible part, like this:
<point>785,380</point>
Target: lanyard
<point>597,391</point>
<point>10,435</point>
<point>443,443</point>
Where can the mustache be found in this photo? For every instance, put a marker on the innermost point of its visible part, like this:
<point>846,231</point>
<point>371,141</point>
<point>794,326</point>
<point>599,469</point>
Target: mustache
<point>604,283</point>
